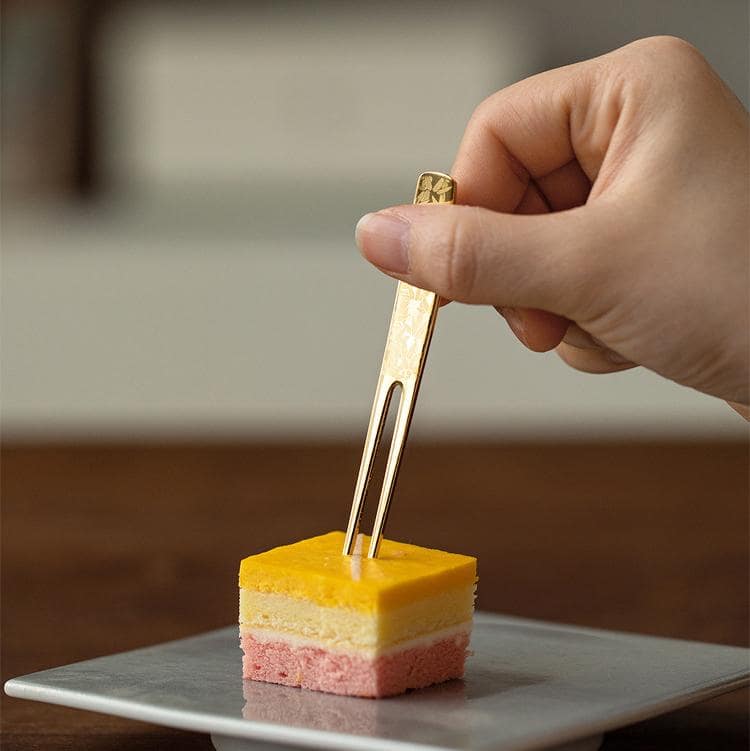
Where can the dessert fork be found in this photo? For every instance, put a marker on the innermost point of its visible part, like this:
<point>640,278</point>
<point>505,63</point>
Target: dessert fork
<point>409,335</point>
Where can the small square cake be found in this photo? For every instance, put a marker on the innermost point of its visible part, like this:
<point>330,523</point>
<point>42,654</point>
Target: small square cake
<point>313,617</point>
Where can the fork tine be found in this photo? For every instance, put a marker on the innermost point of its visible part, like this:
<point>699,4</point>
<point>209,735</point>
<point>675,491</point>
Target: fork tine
<point>380,405</point>
<point>393,463</point>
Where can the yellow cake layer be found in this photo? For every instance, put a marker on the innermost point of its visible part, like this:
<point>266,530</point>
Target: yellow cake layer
<point>316,570</point>
<point>347,628</point>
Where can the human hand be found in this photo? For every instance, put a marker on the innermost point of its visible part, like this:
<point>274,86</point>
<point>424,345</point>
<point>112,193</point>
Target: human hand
<point>606,216</point>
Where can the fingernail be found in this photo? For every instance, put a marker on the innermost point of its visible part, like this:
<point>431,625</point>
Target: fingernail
<point>382,238</point>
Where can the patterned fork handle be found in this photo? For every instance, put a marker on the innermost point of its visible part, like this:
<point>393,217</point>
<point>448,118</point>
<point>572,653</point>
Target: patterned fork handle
<point>409,334</point>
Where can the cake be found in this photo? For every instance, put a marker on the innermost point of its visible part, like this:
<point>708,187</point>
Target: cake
<point>313,617</point>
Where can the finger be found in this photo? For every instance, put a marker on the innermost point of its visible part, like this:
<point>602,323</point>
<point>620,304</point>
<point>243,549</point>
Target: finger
<point>539,330</point>
<point>565,188</point>
<point>523,133</point>
<point>533,202</point>
<point>591,360</point>
<point>478,256</point>
<point>562,189</point>
<point>577,337</point>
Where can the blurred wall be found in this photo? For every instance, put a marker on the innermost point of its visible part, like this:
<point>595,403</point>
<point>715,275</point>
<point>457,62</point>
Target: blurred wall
<point>191,271</point>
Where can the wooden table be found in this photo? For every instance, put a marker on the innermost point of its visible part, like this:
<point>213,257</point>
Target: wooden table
<point>107,548</point>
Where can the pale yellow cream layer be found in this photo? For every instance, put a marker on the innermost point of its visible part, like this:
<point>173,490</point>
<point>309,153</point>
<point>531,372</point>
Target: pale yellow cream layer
<point>348,628</point>
<point>316,570</point>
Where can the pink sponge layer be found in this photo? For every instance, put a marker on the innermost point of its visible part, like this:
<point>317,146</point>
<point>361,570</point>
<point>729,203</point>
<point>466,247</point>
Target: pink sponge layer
<point>352,674</point>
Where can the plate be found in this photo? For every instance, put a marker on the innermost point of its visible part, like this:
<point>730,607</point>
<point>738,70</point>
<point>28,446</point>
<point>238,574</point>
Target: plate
<point>528,685</point>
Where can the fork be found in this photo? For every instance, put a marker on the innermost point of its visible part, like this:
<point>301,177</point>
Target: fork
<point>409,334</point>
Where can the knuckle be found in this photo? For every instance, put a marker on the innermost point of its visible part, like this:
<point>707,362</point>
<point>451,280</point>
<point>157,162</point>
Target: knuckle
<point>672,51</point>
<point>595,249</point>
<point>483,117</point>
<point>501,107</point>
<point>459,260</point>
<point>673,46</point>
<point>482,112</point>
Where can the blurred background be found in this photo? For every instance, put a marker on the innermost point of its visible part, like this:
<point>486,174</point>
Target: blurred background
<point>180,183</point>
<point>190,339</point>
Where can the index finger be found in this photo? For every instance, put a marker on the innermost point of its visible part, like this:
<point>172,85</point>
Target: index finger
<point>520,138</point>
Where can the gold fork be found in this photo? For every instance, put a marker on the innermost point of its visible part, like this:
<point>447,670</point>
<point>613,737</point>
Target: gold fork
<point>409,334</point>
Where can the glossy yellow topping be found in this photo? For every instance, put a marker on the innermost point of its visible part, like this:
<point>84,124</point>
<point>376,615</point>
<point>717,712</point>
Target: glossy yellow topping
<point>316,570</point>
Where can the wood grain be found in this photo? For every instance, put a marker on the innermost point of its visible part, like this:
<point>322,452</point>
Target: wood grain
<point>109,548</point>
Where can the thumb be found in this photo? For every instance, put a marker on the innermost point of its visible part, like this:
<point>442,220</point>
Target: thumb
<point>474,255</point>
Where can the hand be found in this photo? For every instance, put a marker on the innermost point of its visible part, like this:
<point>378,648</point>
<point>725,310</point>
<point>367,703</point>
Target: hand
<point>606,215</point>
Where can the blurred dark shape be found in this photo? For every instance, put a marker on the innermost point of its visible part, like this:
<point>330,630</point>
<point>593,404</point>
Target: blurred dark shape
<point>47,97</point>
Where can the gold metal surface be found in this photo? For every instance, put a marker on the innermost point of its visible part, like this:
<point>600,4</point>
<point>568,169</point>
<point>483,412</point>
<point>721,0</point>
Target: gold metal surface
<point>409,334</point>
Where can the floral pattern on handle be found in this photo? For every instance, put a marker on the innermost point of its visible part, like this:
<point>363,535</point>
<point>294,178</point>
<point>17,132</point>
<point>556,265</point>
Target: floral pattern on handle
<point>410,326</point>
<point>434,188</point>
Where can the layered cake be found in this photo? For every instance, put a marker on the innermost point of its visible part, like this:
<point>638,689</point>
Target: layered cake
<point>313,617</point>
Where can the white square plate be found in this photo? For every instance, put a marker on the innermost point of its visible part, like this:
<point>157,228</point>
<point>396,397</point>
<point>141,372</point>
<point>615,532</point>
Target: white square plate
<point>528,685</point>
